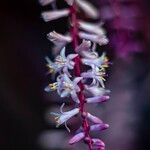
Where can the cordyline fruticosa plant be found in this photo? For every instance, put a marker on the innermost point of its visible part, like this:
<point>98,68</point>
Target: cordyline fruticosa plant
<point>80,76</point>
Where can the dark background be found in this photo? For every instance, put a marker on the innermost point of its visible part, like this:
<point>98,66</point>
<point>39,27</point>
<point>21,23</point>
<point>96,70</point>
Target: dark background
<point>23,46</point>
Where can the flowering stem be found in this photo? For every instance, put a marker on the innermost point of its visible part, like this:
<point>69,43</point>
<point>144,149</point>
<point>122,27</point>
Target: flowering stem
<point>77,72</point>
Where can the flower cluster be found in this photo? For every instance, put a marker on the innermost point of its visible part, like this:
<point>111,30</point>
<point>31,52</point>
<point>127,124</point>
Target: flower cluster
<point>86,86</point>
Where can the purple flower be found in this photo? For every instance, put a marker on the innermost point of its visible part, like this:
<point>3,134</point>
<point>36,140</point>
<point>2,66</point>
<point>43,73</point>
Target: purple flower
<point>97,75</point>
<point>63,117</point>
<point>96,90</point>
<point>56,14</point>
<point>93,118</point>
<point>77,138</point>
<point>61,63</point>
<point>99,127</point>
<point>97,99</point>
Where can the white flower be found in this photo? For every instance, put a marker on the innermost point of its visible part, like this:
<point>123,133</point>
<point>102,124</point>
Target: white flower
<point>96,90</point>
<point>62,63</point>
<point>100,39</point>
<point>92,28</point>
<point>45,2</point>
<point>67,87</point>
<point>101,62</point>
<point>97,75</point>
<point>88,8</point>
<point>57,37</point>
<point>56,14</point>
<point>63,117</point>
<point>84,49</point>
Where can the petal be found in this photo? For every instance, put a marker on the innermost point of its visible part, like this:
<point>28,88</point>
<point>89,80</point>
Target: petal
<point>88,8</point>
<point>62,53</point>
<point>84,46</point>
<point>57,37</point>
<point>52,15</point>
<point>97,99</point>
<point>77,80</point>
<point>93,118</point>
<point>65,93</point>
<point>65,70</point>
<point>98,142</point>
<point>91,27</point>
<point>87,74</point>
<point>74,97</point>
<point>72,56</point>
<point>99,127</point>
<point>45,2</point>
<point>101,40</point>
<point>77,138</point>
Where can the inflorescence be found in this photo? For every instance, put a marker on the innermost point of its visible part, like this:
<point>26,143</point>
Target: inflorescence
<point>80,75</point>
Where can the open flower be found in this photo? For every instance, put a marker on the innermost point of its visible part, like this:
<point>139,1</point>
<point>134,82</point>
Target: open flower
<point>97,75</point>
<point>84,49</point>
<point>66,87</point>
<point>63,117</point>
<point>96,90</point>
<point>61,63</point>
<point>101,62</point>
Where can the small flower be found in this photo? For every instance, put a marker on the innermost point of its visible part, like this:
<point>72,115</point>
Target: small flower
<point>84,50</point>
<point>96,90</point>
<point>97,75</point>
<point>97,99</point>
<point>101,62</point>
<point>77,138</point>
<point>92,118</point>
<point>100,39</point>
<point>98,142</point>
<point>63,117</point>
<point>67,87</point>
<point>53,15</point>
<point>45,2</point>
<point>92,28</point>
<point>61,63</point>
<point>56,38</point>
<point>88,8</point>
<point>99,127</point>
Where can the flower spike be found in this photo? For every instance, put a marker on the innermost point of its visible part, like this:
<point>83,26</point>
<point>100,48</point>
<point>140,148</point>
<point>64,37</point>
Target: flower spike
<point>79,76</point>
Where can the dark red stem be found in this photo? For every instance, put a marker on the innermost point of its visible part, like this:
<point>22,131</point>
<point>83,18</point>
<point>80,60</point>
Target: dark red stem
<point>77,72</point>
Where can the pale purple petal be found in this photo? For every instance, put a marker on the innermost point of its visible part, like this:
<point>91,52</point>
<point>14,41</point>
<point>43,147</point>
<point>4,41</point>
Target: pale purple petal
<point>99,127</point>
<point>98,142</point>
<point>97,99</point>
<point>52,15</point>
<point>88,8</point>
<point>93,118</point>
<point>77,138</point>
<point>45,2</point>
